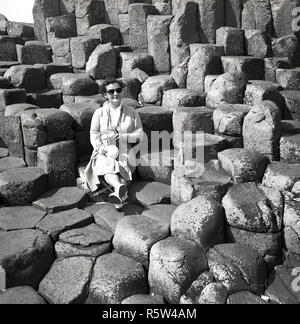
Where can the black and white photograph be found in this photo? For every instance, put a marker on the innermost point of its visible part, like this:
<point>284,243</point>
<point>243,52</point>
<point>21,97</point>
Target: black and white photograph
<point>149,155</point>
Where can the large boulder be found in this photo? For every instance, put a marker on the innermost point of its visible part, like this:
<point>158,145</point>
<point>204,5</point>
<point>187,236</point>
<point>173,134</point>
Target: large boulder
<point>229,119</point>
<point>154,87</point>
<point>244,165</point>
<point>204,225</point>
<point>73,84</point>
<point>102,63</point>
<point>23,295</point>
<point>25,256</point>
<point>174,265</point>
<point>238,268</point>
<point>205,61</point>
<point>228,88</point>
<point>262,129</point>
<point>22,186</point>
<point>31,78</point>
<point>67,281</point>
<point>135,236</point>
<point>183,31</point>
<point>116,277</point>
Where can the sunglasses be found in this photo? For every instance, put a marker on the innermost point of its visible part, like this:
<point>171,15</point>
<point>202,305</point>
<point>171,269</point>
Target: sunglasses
<point>111,92</point>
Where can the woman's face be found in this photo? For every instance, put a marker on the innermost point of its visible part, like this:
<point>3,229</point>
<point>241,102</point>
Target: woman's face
<point>114,93</point>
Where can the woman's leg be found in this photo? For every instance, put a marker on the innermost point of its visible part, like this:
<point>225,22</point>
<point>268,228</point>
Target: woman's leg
<point>113,180</point>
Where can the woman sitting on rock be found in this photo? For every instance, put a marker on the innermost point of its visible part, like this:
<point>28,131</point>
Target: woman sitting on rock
<point>115,129</point>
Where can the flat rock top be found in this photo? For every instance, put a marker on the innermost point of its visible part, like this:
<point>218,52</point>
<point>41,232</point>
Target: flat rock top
<point>87,236</point>
<point>290,126</point>
<point>21,175</point>
<point>16,109</point>
<point>16,242</point>
<point>3,153</point>
<point>291,93</point>
<point>9,163</point>
<point>8,64</point>
<point>284,169</point>
<point>21,296</point>
<point>55,224</point>
<point>154,110</point>
<point>143,300</point>
<point>67,280</point>
<point>160,213</point>
<point>17,218</point>
<point>149,193</point>
<point>234,108</point>
<point>61,199</point>
<point>70,76</point>
<point>115,267</point>
<point>245,298</point>
<point>292,139</point>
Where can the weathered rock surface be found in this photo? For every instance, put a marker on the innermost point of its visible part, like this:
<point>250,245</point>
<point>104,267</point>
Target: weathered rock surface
<point>19,218</point>
<point>26,256</point>
<point>174,265</point>
<point>116,277</point>
<point>61,199</point>
<point>201,220</point>
<point>237,267</point>
<point>21,296</point>
<point>67,281</point>
<point>55,224</point>
<point>135,236</point>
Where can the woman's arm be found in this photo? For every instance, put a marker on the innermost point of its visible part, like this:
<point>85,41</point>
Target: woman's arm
<point>95,131</point>
<point>138,132</point>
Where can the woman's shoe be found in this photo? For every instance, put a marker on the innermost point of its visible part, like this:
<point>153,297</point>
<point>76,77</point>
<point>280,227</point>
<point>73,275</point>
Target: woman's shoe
<point>122,192</point>
<point>114,199</point>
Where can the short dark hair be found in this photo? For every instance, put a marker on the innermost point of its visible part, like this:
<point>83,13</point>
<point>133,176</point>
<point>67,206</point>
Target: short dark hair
<point>109,81</point>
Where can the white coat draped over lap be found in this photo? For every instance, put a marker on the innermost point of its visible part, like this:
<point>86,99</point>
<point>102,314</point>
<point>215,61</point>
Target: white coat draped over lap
<point>102,133</point>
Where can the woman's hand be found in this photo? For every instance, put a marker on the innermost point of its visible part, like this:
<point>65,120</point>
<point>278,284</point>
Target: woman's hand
<point>102,150</point>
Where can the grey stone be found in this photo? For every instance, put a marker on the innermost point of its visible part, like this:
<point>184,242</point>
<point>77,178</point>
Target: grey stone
<point>282,176</point>
<point>174,265</point>
<point>154,87</point>
<point>237,268</point>
<point>22,186</point>
<point>291,230</point>
<point>67,281</point>
<point>131,61</point>
<point>245,298</point>
<point>228,88</point>
<point>183,32</point>
<point>274,63</point>
<point>262,129</point>
<point>10,163</point>
<point>105,33</point>
<point>58,162</point>
<point>232,39</point>
<point>189,183</point>
<point>29,77</point>
<point>252,67</point>
<point>36,52</point>
<point>254,208</point>
<point>203,225</point>
<point>160,213</point>
<point>290,148</point>
<point>244,165</point>
<point>26,256</point>
<point>257,43</point>
<point>55,224</point>
<point>280,289</point>
<point>19,218</point>
<point>21,296</point>
<point>73,84</point>
<point>205,61</point>
<point>143,300</point>
<point>287,46</point>
<point>135,236</point>
<point>46,99</point>
<point>81,49</point>
<point>61,199</point>
<point>229,119</point>
<point>102,63</point>
<point>192,295</point>
<point>149,193</point>
<point>213,294</point>
<point>292,104</point>
<point>61,26</point>
<point>175,98</point>
<point>116,277</point>
<point>288,78</point>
